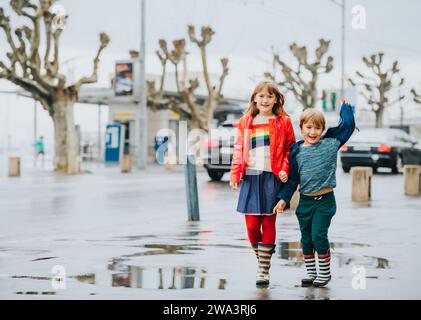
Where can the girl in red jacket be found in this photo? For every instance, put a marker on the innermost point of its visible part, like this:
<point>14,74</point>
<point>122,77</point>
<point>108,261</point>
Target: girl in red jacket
<point>260,162</point>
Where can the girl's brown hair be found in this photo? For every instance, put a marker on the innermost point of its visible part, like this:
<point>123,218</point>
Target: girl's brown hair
<point>272,88</point>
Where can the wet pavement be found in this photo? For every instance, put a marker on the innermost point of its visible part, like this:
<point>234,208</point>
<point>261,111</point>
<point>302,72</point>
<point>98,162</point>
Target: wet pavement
<point>126,236</point>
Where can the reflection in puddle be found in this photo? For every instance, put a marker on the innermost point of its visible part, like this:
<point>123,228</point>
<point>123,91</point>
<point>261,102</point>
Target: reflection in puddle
<point>31,277</point>
<point>85,278</point>
<point>312,293</point>
<point>134,238</point>
<point>291,251</point>
<point>190,235</point>
<point>179,277</point>
<point>163,249</point>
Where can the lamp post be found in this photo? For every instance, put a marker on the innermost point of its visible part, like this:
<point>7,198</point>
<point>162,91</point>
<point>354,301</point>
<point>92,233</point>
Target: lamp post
<point>141,114</point>
<point>343,6</point>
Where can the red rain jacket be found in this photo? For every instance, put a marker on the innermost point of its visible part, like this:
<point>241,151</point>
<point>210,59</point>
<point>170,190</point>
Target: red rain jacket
<point>281,136</point>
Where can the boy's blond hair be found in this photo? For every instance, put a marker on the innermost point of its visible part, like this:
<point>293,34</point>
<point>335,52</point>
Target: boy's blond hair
<point>314,116</point>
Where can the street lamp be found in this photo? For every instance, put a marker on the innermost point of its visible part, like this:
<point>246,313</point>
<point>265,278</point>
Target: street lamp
<point>343,6</point>
<point>141,114</point>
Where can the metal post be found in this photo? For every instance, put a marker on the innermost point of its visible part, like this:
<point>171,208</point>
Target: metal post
<point>35,131</point>
<point>191,188</point>
<point>35,121</point>
<point>343,49</point>
<point>142,130</point>
<point>99,133</point>
<point>343,6</point>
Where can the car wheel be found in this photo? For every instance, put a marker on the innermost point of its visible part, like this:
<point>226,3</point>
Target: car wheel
<point>399,165</point>
<point>215,175</point>
<point>346,169</point>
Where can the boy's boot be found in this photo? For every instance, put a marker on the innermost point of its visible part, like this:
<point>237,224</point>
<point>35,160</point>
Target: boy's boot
<point>310,262</point>
<point>265,254</point>
<point>324,270</point>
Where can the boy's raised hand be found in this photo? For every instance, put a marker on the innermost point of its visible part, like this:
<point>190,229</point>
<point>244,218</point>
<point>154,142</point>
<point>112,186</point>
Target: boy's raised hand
<point>279,208</point>
<point>344,101</point>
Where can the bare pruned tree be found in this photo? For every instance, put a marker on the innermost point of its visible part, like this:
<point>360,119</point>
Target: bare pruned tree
<point>186,103</point>
<point>378,85</point>
<point>302,81</point>
<point>39,73</point>
<point>417,97</point>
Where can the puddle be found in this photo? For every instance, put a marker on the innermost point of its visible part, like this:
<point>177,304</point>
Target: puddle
<point>85,278</point>
<point>31,277</point>
<point>291,251</point>
<point>164,278</point>
<point>50,293</point>
<point>130,238</point>
<point>190,235</point>
<point>164,249</point>
<point>46,258</point>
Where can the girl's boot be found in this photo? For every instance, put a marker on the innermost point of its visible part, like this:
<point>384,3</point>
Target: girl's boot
<point>256,250</point>
<point>324,270</point>
<point>310,262</point>
<point>265,254</point>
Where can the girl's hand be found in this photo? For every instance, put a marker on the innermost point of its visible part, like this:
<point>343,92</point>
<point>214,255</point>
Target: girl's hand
<point>283,176</point>
<point>279,208</point>
<point>234,185</point>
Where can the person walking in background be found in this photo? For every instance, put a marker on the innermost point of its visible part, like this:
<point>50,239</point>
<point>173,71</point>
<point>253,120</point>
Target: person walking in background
<point>40,150</point>
<point>313,167</point>
<point>260,162</point>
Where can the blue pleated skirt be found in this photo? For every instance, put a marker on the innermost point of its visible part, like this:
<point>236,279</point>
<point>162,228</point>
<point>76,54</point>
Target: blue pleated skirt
<point>258,193</point>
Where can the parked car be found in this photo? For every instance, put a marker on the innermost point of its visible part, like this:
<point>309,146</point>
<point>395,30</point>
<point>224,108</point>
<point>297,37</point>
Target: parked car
<point>220,148</point>
<point>389,148</point>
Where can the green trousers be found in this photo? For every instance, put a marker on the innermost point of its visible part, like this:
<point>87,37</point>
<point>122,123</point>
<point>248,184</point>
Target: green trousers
<point>314,215</point>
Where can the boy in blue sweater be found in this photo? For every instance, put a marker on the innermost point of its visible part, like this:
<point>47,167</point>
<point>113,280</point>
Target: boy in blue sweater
<point>313,167</point>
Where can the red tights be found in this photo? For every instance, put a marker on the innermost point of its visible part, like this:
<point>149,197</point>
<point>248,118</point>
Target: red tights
<point>261,229</point>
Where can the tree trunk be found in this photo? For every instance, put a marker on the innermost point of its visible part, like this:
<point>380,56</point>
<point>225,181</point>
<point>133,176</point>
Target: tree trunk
<point>66,157</point>
<point>379,118</point>
<point>211,104</point>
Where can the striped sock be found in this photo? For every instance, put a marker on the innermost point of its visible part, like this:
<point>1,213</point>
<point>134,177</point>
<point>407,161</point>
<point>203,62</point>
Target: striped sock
<point>265,255</point>
<point>256,250</point>
<point>310,262</point>
<point>324,270</point>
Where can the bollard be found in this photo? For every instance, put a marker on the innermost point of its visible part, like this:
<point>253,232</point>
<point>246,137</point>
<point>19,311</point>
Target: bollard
<point>295,200</point>
<point>412,180</point>
<point>126,164</point>
<point>14,166</point>
<point>361,183</point>
<point>191,189</point>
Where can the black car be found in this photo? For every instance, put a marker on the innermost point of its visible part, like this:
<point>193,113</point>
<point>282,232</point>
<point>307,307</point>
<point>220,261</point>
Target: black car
<point>381,147</point>
<point>219,151</point>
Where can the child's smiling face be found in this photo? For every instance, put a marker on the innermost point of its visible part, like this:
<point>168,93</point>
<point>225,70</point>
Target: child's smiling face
<point>311,132</point>
<point>265,102</point>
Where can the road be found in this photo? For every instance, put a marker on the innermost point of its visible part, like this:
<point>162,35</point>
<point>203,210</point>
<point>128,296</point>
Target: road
<point>126,236</point>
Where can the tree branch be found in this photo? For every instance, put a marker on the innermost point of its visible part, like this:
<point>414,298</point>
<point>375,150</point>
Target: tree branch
<point>5,25</point>
<point>104,39</point>
<point>225,70</point>
<point>26,84</point>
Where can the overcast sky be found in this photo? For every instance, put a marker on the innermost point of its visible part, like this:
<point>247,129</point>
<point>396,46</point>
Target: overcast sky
<point>246,31</point>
